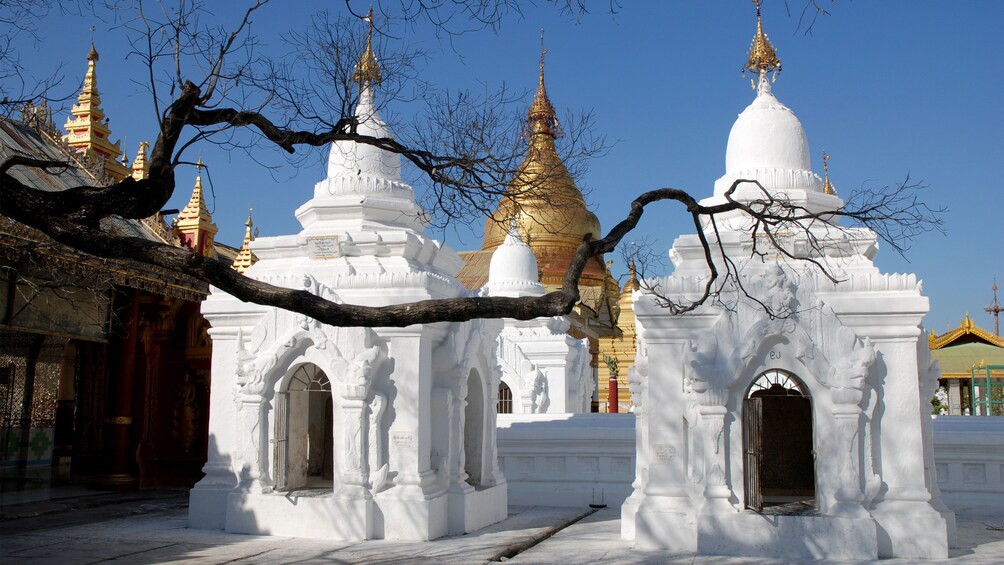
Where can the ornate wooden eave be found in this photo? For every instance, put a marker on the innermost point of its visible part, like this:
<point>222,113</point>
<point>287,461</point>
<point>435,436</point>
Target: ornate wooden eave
<point>967,328</point>
<point>26,248</point>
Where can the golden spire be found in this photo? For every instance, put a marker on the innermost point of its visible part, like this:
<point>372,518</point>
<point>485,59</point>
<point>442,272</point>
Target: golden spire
<point>827,187</point>
<point>762,57</point>
<point>544,201</point>
<point>632,282</point>
<point>194,225</point>
<point>140,168</point>
<point>244,257</point>
<point>87,129</point>
<point>367,69</point>
<point>541,118</point>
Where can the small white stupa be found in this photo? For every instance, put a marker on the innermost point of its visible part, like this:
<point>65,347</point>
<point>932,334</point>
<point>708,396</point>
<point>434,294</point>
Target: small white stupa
<point>797,428</point>
<point>544,370</point>
<point>352,433</point>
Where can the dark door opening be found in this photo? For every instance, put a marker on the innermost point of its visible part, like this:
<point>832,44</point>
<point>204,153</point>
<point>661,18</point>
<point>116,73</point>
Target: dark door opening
<point>780,464</point>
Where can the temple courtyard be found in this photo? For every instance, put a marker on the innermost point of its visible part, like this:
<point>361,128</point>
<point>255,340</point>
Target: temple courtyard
<point>152,527</point>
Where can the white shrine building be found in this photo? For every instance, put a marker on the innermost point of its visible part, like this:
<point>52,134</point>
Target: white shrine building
<point>544,370</point>
<point>351,433</point>
<point>796,428</point>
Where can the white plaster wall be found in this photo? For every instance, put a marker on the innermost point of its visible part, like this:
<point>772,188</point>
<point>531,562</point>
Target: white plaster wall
<point>567,459</point>
<point>562,460</point>
<point>969,463</point>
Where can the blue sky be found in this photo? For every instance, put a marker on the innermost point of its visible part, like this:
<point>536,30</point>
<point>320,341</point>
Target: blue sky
<point>888,89</point>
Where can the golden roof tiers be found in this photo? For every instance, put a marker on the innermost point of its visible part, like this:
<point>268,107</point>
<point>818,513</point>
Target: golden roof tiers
<point>87,130</point>
<point>194,226</point>
<point>545,203</point>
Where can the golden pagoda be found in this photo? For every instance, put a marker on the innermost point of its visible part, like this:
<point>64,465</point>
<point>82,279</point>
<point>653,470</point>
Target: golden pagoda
<point>547,207</point>
<point>194,226</point>
<point>552,218</point>
<point>87,129</point>
<point>622,346</point>
<point>245,258</point>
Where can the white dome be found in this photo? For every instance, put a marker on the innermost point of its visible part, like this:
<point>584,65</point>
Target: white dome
<point>513,269</point>
<point>351,159</point>
<point>767,135</point>
<point>767,143</point>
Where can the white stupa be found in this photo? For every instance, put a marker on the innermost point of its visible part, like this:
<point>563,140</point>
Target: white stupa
<point>352,433</point>
<point>797,427</point>
<point>544,370</point>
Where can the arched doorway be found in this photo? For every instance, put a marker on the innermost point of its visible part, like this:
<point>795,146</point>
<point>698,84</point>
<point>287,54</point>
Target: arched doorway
<point>504,405</point>
<point>474,417</point>
<point>304,443</point>
<point>777,440</point>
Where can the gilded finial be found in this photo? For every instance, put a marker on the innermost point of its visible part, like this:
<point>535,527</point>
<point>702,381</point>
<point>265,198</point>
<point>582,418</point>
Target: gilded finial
<point>541,118</point>
<point>199,165</point>
<point>367,69</point>
<point>762,57</point>
<point>827,187</point>
<point>92,55</point>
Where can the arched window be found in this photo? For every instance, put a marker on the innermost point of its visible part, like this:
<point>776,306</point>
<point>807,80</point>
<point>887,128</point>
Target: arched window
<point>504,405</point>
<point>777,383</point>
<point>778,444</point>
<point>304,441</point>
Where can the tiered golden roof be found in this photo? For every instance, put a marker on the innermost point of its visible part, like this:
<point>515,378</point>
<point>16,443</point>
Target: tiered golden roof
<point>194,225</point>
<point>140,168</point>
<point>245,258</point>
<point>367,69</point>
<point>762,57</point>
<point>87,130</point>
<point>966,329</point>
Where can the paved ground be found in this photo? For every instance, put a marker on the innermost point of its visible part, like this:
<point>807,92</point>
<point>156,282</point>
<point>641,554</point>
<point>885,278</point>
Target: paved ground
<point>151,527</point>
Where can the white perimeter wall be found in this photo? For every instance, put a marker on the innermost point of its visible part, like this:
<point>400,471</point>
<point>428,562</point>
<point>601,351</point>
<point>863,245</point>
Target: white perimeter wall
<point>582,459</point>
<point>567,459</point>
<point>969,461</point>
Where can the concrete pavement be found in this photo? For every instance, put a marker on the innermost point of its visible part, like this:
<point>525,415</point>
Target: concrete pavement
<point>152,528</point>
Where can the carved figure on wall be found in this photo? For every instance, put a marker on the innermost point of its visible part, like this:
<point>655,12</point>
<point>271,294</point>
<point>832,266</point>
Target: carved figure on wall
<point>187,411</point>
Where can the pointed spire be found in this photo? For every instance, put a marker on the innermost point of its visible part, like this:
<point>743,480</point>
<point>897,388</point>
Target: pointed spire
<point>87,129</point>
<point>194,225</point>
<point>762,58</point>
<point>994,309</point>
<point>827,187</point>
<point>367,69</point>
<point>245,258</point>
<point>541,118</point>
<point>140,168</point>
<point>632,282</point>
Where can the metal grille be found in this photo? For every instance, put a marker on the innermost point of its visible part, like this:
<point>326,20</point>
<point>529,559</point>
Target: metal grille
<point>281,439</point>
<point>753,444</point>
<point>504,405</point>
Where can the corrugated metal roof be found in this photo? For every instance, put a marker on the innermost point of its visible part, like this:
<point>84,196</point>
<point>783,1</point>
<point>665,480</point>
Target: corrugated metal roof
<point>18,139</point>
